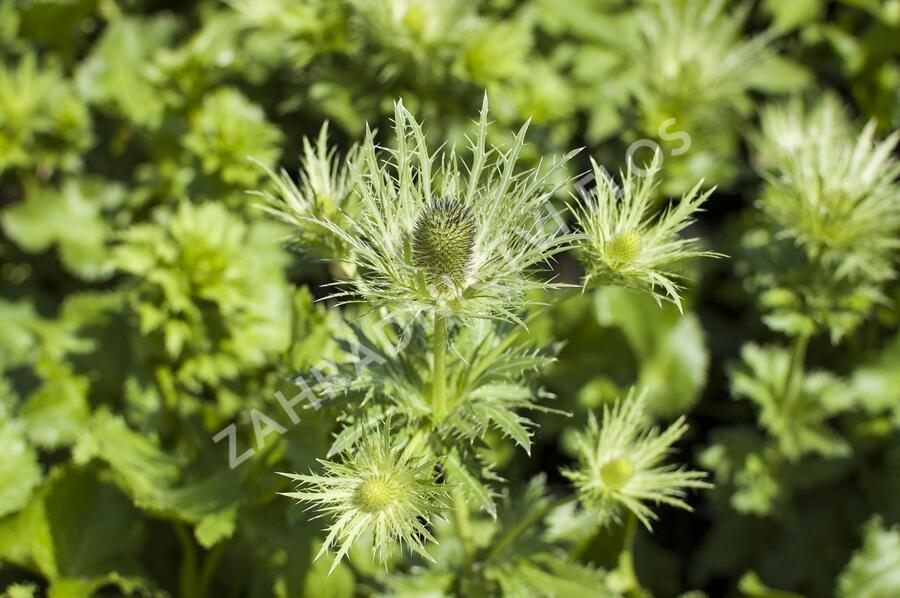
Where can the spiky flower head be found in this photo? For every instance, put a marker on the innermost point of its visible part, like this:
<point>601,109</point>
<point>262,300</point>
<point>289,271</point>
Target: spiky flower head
<point>621,464</point>
<point>324,193</point>
<point>434,237</point>
<point>695,62</point>
<point>625,245</point>
<point>378,490</point>
<point>832,191</point>
<point>443,238</point>
<point>401,32</point>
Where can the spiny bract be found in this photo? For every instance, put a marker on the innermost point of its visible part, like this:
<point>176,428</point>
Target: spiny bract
<point>324,192</point>
<point>625,245</point>
<point>620,464</point>
<point>458,239</point>
<point>832,191</point>
<point>377,490</point>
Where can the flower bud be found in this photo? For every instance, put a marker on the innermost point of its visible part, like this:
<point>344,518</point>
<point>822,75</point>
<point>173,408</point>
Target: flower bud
<point>443,240</point>
<point>624,247</point>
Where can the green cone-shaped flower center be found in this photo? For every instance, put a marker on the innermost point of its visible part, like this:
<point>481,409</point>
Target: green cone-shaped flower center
<point>377,493</point>
<point>623,248</point>
<point>616,473</point>
<point>443,239</point>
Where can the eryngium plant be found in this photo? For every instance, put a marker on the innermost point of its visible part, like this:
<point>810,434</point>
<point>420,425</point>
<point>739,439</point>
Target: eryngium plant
<point>694,70</point>
<point>833,191</point>
<point>457,246</point>
<point>621,464</point>
<point>434,237</point>
<point>694,59</point>
<point>323,194</point>
<point>626,244</point>
<point>378,490</point>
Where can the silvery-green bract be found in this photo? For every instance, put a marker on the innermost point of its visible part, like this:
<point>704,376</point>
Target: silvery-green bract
<point>437,235</point>
<point>627,243</point>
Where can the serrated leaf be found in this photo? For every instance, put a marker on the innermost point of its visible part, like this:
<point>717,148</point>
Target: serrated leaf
<point>153,480</point>
<point>216,527</point>
<point>119,72</point>
<point>69,217</point>
<point>551,575</point>
<point>55,414</point>
<point>797,416</point>
<point>20,472</point>
<point>874,570</point>
<point>477,492</point>
<point>507,421</point>
<point>79,533</point>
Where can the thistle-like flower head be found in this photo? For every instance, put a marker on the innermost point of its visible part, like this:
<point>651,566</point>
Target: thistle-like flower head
<point>625,245</point>
<point>833,191</point>
<point>324,193</point>
<point>621,464</point>
<point>377,490</point>
<point>694,59</point>
<point>443,239</point>
<point>432,236</point>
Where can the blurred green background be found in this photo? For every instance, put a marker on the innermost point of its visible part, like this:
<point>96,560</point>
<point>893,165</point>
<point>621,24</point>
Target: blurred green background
<point>147,302</point>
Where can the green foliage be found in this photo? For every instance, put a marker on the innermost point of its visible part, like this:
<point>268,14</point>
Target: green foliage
<point>71,218</point>
<point>209,288</point>
<point>795,406</point>
<point>481,391</point>
<point>228,129</point>
<point>43,123</point>
<point>872,572</point>
<point>669,346</point>
<point>20,472</point>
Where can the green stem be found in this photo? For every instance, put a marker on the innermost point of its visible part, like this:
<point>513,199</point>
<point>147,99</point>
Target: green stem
<point>463,526</point>
<point>188,574</point>
<point>626,557</point>
<point>439,385</point>
<point>527,521</point>
<point>794,375</point>
<point>439,406</point>
<point>210,564</point>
